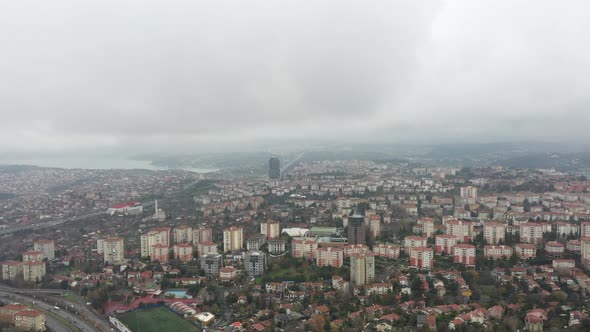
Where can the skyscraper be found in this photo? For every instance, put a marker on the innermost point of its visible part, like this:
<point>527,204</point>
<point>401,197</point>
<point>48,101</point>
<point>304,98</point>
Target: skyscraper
<point>274,168</point>
<point>356,230</point>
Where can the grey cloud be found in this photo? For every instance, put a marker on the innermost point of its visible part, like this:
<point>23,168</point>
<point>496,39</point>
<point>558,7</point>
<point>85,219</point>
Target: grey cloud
<point>112,73</point>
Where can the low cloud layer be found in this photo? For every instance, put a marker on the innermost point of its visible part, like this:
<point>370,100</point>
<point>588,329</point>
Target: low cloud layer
<point>188,73</point>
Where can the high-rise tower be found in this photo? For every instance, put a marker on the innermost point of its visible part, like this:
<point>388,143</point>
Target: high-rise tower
<point>274,168</point>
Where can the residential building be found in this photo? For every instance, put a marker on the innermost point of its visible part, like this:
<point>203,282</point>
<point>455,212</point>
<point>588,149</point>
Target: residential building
<point>564,264</point>
<point>426,226</point>
<point>47,247</point>
<point>160,252</point>
<point>183,252</point>
<point>462,230</point>
<point>233,239</point>
<point>362,269</point>
<point>374,226</point>
<point>183,234</point>
<point>525,250</point>
<point>11,269</point>
<point>8,311</point>
<point>100,246</point>
<point>574,246</point>
<point>255,242</point>
<point>421,258</point>
<point>386,250</point>
<point>202,234</point>
<point>564,229</point>
<point>159,235</point>
<point>353,249</point>
<point>270,229</point>
<point>444,243</point>
<point>30,320</point>
<point>113,250</point>
<point>498,251</point>
<point>32,256</point>
<point>276,246</point>
<point>413,242</point>
<point>464,253</point>
<point>469,192</point>
<point>228,273</point>
<point>554,249</point>
<point>211,264</point>
<point>532,233</point>
<point>206,248</point>
<point>255,263</point>
<point>585,229</point>
<point>494,232</point>
<point>585,251</point>
<point>304,247</point>
<point>34,271</point>
<point>330,256</point>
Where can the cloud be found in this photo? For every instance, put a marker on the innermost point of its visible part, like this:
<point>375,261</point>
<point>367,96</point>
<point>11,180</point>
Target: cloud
<point>132,73</point>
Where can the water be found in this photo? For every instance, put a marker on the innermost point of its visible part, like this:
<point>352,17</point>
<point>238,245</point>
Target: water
<point>178,293</point>
<point>96,163</point>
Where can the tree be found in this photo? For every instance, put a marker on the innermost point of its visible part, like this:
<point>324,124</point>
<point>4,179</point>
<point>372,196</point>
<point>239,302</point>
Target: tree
<point>317,323</point>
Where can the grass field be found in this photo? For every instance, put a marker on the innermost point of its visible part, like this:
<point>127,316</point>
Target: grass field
<point>155,320</point>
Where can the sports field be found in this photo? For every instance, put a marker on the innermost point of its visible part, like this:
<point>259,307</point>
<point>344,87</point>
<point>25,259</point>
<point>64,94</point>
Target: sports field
<point>155,320</point>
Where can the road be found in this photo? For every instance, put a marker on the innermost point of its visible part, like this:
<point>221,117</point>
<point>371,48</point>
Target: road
<point>48,224</point>
<point>92,318</point>
<point>52,323</point>
<point>292,163</point>
<point>75,320</point>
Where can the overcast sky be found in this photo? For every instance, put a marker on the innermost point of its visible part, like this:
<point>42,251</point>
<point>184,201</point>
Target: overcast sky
<point>86,74</point>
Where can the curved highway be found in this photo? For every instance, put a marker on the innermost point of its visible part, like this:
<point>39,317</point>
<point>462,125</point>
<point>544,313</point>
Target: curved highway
<point>75,320</point>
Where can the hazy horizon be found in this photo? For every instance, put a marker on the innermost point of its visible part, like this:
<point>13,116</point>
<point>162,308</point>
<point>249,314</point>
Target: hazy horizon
<point>138,77</point>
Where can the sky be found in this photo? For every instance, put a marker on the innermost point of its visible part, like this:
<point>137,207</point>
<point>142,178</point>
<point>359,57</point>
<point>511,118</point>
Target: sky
<point>179,75</point>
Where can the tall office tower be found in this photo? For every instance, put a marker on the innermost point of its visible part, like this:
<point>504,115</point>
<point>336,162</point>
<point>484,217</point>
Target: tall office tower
<point>362,268</point>
<point>47,247</point>
<point>233,239</point>
<point>357,232</point>
<point>113,250</point>
<point>274,168</point>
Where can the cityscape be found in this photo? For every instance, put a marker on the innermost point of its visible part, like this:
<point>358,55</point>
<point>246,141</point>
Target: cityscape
<point>339,245</point>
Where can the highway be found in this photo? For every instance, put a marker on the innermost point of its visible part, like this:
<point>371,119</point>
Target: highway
<point>48,224</point>
<point>39,297</point>
<point>292,163</point>
<point>76,321</point>
<point>52,323</point>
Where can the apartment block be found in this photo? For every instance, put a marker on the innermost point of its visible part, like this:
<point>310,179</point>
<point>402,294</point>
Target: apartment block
<point>330,256</point>
<point>47,247</point>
